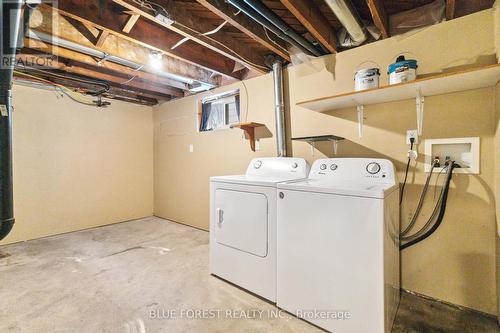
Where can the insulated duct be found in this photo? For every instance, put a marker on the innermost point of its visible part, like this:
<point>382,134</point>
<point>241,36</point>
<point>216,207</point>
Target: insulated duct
<point>270,21</point>
<point>279,108</point>
<point>10,13</point>
<point>349,19</point>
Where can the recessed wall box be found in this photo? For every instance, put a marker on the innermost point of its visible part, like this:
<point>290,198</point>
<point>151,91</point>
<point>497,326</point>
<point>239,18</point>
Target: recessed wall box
<point>464,151</point>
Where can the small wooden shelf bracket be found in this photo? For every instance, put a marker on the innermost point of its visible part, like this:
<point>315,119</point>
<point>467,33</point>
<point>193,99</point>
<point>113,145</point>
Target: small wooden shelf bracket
<point>249,129</point>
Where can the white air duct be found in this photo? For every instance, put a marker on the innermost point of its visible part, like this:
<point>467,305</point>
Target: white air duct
<point>348,19</point>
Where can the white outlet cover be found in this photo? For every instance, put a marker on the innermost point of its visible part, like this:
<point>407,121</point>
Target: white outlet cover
<point>191,148</point>
<point>412,134</point>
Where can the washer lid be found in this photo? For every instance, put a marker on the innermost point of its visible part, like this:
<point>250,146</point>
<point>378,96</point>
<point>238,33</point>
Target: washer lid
<point>349,188</point>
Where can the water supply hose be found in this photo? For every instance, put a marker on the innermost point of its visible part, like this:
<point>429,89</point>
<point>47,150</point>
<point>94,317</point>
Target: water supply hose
<point>442,210</point>
<point>420,202</point>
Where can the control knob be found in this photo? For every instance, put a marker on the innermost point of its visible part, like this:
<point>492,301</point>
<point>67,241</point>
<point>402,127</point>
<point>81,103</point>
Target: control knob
<point>373,168</point>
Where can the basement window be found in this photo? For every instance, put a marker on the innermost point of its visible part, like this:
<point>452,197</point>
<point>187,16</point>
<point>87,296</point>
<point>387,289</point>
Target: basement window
<point>220,111</point>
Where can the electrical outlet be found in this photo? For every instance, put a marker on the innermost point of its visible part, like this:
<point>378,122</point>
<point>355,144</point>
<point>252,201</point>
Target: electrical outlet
<point>191,148</point>
<point>412,134</point>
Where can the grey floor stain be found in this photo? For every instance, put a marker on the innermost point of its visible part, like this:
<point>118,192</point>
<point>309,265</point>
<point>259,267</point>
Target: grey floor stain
<point>95,281</point>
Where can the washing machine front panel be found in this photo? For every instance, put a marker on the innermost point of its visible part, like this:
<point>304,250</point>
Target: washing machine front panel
<point>242,221</point>
<point>330,259</point>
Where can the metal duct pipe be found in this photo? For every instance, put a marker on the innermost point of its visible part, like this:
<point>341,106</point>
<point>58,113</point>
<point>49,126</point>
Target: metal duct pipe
<point>279,108</point>
<point>348,19</point>
<point>258,6</point>
<point>267,23</point>
<point>11,21</point>
<point>54,40</point>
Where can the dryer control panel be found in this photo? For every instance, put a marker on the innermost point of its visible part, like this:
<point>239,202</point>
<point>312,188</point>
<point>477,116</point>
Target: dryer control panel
<point>278,167</point>
<point>354,169</point>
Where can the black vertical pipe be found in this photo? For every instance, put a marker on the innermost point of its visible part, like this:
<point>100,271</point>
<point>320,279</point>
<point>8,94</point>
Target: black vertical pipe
<point>11,20</point>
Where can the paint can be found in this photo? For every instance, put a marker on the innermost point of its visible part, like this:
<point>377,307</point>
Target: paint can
<point>366,79</point>
<point>402,70</point>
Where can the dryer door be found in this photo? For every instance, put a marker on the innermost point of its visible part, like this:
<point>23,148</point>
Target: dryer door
<point>241,220</point>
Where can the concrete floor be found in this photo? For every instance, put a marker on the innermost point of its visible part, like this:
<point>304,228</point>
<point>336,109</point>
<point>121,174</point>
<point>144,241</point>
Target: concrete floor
<point>123,277</point>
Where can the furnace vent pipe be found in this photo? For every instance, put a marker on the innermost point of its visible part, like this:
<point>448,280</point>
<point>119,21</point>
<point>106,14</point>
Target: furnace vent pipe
<point>279,108</point>
<point>10,13</point>
<point>349,19</point>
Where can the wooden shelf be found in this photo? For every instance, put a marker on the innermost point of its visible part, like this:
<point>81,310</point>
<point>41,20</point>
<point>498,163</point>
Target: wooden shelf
<point>249,128</point>
<point>474,78</point>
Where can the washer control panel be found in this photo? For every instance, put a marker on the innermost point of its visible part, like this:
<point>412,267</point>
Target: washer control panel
<point>354,169</point>
<point>278,167</point>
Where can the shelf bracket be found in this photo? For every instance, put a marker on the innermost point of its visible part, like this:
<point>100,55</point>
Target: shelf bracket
<point>335,146</point>
<point>361,111</point>
<point>420,112</point>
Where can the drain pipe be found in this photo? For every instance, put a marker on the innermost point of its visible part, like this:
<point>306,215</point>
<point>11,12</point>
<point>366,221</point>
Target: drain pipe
<point>258,6</point>
<point>284,31</point>
<point>279,108</point>
<point>348,19</point>
<point>11,20</point>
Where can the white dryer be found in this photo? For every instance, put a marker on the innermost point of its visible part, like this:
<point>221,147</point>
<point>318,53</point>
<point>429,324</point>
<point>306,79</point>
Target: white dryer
<point>338,246</point>
<point>243,223</point>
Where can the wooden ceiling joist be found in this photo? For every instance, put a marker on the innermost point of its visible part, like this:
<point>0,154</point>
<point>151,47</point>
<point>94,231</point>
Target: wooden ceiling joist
<point>103,35</point>
<point>96,72</point>
<point>192,27</point>
<point>379,16</point>
<point>172,87</point>
<point>227,12</point>
<point>450,9</point>
<point>314,21</point>
<point>131,22</point>
<point>86,35</point>
<point>146,33</point>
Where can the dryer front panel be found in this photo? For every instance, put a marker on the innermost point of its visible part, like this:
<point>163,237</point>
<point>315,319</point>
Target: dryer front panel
<point>241,221</point>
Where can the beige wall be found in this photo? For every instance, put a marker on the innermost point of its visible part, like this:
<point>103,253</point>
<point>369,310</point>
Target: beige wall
<point>497,188</point>
<point>458,263</point>
<point>76,166</point>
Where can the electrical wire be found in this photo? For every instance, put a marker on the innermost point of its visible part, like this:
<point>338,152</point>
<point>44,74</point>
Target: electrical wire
<point>273,41</point>
<point>224,46</point>
<point>150,5</point>
<point>66,91</point>
<point>134,76</point>
<point>406,174</point>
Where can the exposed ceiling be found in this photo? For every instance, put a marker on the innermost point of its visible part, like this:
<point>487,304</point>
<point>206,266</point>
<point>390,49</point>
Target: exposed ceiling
<point>107,47</point>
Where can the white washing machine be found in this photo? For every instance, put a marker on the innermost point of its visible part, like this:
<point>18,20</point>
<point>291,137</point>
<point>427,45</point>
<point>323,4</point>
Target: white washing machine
<point>338,246</point>
<point>243,223</point>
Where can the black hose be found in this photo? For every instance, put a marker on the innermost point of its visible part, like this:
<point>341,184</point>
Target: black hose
<point>406,175</point>
<point>105,86</point>
<point>441,212</point>
<point>278,22</point>
<point>257,17</point>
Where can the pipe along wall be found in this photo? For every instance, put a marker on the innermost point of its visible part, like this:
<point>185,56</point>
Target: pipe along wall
<point>11,20</point>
